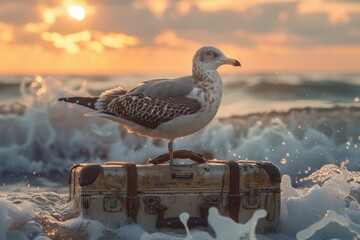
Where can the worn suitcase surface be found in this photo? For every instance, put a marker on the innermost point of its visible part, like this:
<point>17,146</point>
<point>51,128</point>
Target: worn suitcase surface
<point>154,194</point>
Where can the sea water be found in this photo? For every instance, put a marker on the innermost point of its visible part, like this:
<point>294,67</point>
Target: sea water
<point>309,125</point>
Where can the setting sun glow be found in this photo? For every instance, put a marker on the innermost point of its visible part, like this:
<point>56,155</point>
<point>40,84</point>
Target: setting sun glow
<point>77,12</point>
<point>116,37</point>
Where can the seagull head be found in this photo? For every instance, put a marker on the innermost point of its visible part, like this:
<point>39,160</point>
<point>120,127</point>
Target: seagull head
<point>211,58</point>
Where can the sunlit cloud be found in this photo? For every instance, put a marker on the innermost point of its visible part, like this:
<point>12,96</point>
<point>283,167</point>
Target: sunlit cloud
<point>275,39</point>
<point>157,7</point>
<point>36,27</point>
<point>50,14</point>
<point>183,7</point>
<point>6,32</point>
<point>68,42</point>
<point>294,35</point>
<point>232,5</point>
<point>95,46</point>
<point>118,40</point>
<point>337,12</point>
<point>169,38</point>
<point>92,40</point>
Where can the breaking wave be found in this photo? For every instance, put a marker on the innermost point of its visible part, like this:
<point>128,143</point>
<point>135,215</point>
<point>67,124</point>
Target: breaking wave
<point>316,148</point>
<point>45,137</point>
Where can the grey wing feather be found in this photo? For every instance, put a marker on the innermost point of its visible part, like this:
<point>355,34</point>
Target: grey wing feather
<point>152,102</point>
<point>165,88</point>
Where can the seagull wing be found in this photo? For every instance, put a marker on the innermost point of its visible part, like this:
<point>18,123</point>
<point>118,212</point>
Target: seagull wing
<point>152,102</point>
<point>165,88</point>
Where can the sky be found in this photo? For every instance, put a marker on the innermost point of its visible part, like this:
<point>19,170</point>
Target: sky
<point>161,36</point>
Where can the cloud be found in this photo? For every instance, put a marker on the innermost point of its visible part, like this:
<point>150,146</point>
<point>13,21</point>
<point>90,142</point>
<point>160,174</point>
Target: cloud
<point>19,12</point>
<point>336,11</point>
<point>7,32</point>
<point>91,40</point>
<point>157,7</point>
<point>169,38</point>
<point>317,22</point>
<point>112,28</point>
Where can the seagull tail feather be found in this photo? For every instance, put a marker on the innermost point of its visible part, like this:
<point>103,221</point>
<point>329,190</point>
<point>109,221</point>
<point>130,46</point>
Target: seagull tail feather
<point>88,102</point>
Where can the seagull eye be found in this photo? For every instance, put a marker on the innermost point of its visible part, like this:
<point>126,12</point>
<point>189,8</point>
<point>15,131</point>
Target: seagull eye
<point>211,53</point>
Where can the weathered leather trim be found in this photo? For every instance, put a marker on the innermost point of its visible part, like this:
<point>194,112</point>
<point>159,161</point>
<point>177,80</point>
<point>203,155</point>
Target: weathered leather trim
<point>182,154</point>
<point>70,171</point>
<point>132,200</point>
<point>234,187</point>
<point>88,174</point>
<point>72,184</point>
<point>272,170</point>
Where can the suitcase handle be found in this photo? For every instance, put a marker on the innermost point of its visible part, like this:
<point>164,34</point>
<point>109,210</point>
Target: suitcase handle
<point>175,222</point>
<point>182,154</point>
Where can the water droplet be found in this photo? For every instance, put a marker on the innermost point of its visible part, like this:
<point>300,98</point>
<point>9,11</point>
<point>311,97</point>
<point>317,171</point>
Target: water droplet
<point>357,99</point>
<point>283,161</point>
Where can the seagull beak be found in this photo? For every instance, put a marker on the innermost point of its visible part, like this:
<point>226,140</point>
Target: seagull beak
<point>233,62</point>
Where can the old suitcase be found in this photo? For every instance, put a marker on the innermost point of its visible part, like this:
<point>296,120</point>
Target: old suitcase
<point>154,194</point>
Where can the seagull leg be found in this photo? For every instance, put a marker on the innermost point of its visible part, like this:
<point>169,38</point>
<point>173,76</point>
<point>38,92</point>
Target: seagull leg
<point>170,147</point>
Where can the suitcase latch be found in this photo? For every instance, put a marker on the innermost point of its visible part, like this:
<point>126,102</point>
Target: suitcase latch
<point>252,200</point>
<point>150,204</point>
<point>113,204</point>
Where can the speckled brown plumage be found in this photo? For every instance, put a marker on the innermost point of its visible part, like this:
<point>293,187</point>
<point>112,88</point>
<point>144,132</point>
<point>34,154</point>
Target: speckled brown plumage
<point>146,111</point>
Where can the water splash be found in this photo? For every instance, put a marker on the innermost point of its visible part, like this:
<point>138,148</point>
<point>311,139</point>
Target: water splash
<point>330,216</point>
<point>224,228</point>
<point>328,208</point>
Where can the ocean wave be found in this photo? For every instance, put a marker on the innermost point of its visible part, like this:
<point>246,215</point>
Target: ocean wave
<point>317,150</point>
<point>50,136</point>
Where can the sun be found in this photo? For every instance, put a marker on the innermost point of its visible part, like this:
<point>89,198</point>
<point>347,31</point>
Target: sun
<point>77,12</point>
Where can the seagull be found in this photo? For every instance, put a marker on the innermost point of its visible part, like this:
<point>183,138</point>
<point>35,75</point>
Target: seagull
<point>166,108</point>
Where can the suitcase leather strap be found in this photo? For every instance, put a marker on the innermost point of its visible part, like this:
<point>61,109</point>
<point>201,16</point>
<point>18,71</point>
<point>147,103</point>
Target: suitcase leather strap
<point>234,187</point>
<point>234,196</point>
<point>182,154</point>
<point>233,202</point>
<point>132,200</point>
